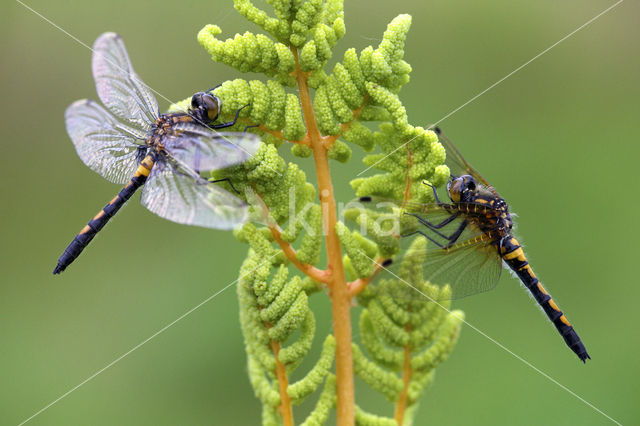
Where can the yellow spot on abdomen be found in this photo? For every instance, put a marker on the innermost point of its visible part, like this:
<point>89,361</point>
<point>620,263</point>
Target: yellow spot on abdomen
<point>527,268</point>
<point>142,171</point>
<point>85,229</point>
<point>565,321</point>
<point>99,215</point>
<point>516,254</point>
<point>530,271</point>
<point>553,305</point>
<point>542,289</point>
<point>145,167</point>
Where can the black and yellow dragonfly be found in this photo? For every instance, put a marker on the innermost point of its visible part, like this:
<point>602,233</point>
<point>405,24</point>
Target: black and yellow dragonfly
<point>132,143</point>
<point>468,239</point>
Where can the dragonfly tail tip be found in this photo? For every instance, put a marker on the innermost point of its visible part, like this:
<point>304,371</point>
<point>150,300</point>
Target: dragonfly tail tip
<point>584,357</point>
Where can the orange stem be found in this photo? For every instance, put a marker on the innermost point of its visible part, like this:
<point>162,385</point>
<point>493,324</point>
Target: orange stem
<point>276,232</point>
<point>329,140</point>
<point>407,371</point>
<point>355,287</point>
<point>407,186</point>
<point>316,274</point>
<point>277,133</point>
<point>285,407</point>
<point>339,292</point>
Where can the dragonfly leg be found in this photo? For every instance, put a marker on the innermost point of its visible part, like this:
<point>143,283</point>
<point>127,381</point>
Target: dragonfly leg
<point>454,237</point>
<point>432,225</point>
<point>428,225</point>
<point>435,193</point>
<point>230,123</point>
<point>432,228</point>
<point>249,127</point>
<point>213,88</point>
<point>225,180</point>
<point>426,236</point>
<point>450,238</point>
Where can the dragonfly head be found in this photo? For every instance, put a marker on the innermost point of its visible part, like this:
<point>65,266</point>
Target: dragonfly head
<point>461,188</point>
<point>205,107</point>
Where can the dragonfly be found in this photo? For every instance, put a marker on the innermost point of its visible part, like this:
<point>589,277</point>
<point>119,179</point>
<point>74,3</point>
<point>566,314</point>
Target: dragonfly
<point>469,239</point>
<point>130,143</point>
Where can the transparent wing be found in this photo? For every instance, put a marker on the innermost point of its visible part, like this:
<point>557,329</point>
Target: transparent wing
<point>176,193</point>
<point>440,244</point>
<point>203,149</point>
<point>436,220</point>
<point>444,224</point>
<point>119,87</point>
<point>468,268</point>
<point>105,145</point>
<point>457,164</point>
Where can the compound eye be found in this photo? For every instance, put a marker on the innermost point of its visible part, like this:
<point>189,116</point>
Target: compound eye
<point>455,188</point>
<point>211,106</point>
<point>196,101</point>
<point>468,183</point>
<point>471,185</point>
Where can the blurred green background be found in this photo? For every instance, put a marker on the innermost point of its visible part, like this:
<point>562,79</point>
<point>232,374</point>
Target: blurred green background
<point>558,139</point>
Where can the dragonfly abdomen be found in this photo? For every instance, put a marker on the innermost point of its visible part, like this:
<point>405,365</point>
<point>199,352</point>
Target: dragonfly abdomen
<point>513,255</point>
<point>98,222</point>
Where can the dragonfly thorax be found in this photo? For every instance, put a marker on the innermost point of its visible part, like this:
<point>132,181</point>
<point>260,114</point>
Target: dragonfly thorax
<point>165,125</point>
<point>495,216</point>
<point>162,125</point>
